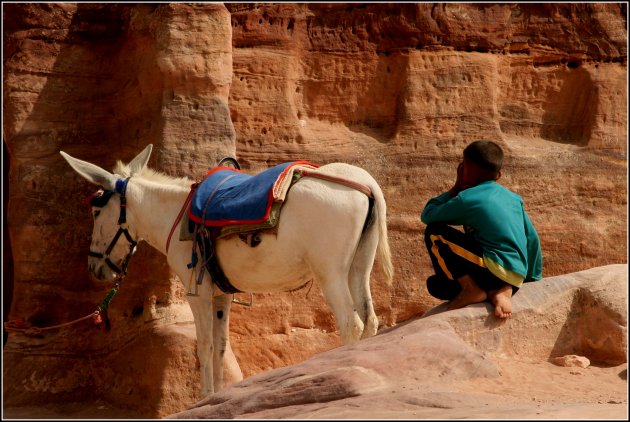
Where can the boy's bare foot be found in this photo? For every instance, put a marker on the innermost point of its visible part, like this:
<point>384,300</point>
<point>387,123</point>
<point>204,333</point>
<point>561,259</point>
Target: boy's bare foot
<point>502,300</point>
<point>471,293</point>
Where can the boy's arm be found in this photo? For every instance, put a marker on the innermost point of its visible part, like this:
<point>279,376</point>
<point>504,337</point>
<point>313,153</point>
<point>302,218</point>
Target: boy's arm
<point>444,208</point>
<point>534,252</point>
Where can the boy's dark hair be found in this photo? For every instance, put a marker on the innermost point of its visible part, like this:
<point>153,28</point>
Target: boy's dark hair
<point>486,154</point>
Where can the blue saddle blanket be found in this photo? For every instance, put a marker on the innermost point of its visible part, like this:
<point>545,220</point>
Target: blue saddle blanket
<point>228,197</point>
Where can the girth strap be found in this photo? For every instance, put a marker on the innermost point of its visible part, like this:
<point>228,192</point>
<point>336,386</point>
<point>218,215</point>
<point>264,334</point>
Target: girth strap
<point>205,238</point>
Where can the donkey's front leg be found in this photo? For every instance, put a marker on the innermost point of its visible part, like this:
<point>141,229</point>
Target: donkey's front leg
<point>201,307</point>
<point>221,305</point>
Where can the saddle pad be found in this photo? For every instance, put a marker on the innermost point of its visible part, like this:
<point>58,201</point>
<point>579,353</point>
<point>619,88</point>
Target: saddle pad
<point>228,197</point>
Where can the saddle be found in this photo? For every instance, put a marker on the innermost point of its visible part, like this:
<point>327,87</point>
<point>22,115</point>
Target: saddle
<point>228,202</point>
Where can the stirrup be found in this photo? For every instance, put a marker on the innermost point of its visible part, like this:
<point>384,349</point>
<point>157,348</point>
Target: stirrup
<point>240,302</point>
<point>190,282</point>
<point>189,293</point>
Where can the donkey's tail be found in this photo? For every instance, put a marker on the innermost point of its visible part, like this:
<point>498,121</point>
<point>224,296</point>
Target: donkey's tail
<point>383,252</point>
<point>379,213</point>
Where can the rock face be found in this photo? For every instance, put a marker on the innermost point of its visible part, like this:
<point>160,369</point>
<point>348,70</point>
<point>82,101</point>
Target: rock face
<point>398,89</point>
<point>401,89</point>
<point>440,352</point>
<point>100,82</point>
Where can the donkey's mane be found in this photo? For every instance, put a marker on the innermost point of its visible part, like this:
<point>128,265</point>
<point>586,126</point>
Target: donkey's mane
<point>151,175</point>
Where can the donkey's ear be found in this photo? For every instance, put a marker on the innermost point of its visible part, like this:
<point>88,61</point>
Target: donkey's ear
<point>91,172</point>
<point>140,162</point>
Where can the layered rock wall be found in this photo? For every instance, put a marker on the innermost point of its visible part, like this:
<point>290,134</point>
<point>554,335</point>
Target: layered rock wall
<point>100,81</point>
<point>398,89</point>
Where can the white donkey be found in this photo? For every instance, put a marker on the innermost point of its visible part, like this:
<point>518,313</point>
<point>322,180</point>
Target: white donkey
<point>320,235</point>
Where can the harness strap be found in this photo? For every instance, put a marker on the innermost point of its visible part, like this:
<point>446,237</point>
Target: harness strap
<point>354,185</point>
<point>193,187</point>
<point>203,214</point>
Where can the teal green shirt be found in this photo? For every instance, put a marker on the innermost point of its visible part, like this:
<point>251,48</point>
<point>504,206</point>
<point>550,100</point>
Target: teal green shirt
<point>496,218</point>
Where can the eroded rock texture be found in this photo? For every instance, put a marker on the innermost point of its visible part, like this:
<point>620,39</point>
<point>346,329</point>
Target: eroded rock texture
<point>420,368</point>
<point>398,89</point>
<point>100,82</point>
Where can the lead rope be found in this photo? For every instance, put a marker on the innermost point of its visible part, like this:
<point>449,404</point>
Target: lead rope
<point>17,326</point>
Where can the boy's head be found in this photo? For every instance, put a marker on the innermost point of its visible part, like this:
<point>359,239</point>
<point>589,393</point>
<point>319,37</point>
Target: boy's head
<point>487,159</point>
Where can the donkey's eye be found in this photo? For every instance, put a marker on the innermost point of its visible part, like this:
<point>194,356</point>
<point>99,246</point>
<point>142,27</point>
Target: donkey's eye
<point>96,213</point>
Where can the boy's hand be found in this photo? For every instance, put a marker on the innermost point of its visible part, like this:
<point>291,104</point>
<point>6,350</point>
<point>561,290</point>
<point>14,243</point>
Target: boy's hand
<point>459,184</point>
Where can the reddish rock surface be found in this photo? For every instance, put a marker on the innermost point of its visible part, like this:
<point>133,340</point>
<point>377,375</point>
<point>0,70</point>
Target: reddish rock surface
<point>398,89</point>
<point>100,81</point>
<point>447,364</point>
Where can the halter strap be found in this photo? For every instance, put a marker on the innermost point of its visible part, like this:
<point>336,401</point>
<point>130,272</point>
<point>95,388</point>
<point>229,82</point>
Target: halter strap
<point>121,189</point>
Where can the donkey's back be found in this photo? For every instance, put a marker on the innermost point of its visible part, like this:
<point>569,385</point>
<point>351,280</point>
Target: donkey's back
<point>329,232</point>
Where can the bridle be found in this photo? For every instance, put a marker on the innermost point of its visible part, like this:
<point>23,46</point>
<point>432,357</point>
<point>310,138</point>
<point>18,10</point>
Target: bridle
<point>100,199</point>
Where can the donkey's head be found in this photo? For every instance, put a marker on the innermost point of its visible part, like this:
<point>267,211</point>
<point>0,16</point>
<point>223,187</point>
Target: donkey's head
<point>113,241</point>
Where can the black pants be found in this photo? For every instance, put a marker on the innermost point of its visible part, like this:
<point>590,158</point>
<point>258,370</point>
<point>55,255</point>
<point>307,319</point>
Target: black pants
<point>453,255</point>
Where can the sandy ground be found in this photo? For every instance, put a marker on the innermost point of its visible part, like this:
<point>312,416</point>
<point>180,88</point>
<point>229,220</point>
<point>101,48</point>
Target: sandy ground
<point>524,390</point>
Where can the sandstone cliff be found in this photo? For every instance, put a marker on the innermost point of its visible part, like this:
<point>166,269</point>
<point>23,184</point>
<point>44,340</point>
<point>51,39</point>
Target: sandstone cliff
<point>398,89</point>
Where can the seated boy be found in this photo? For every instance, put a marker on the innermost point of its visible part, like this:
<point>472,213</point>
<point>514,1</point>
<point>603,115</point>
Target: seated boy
<point>499,248</point>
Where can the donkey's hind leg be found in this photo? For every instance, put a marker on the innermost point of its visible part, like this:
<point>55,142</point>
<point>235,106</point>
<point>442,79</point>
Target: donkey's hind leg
<point>335,288</point>
<point>359,281</point>
<point>226,367</point>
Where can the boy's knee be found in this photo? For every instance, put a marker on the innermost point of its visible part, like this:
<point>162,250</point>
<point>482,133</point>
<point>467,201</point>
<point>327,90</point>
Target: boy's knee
<point>442,288</point>
<point>432,286</point>
<point>433,228</point>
